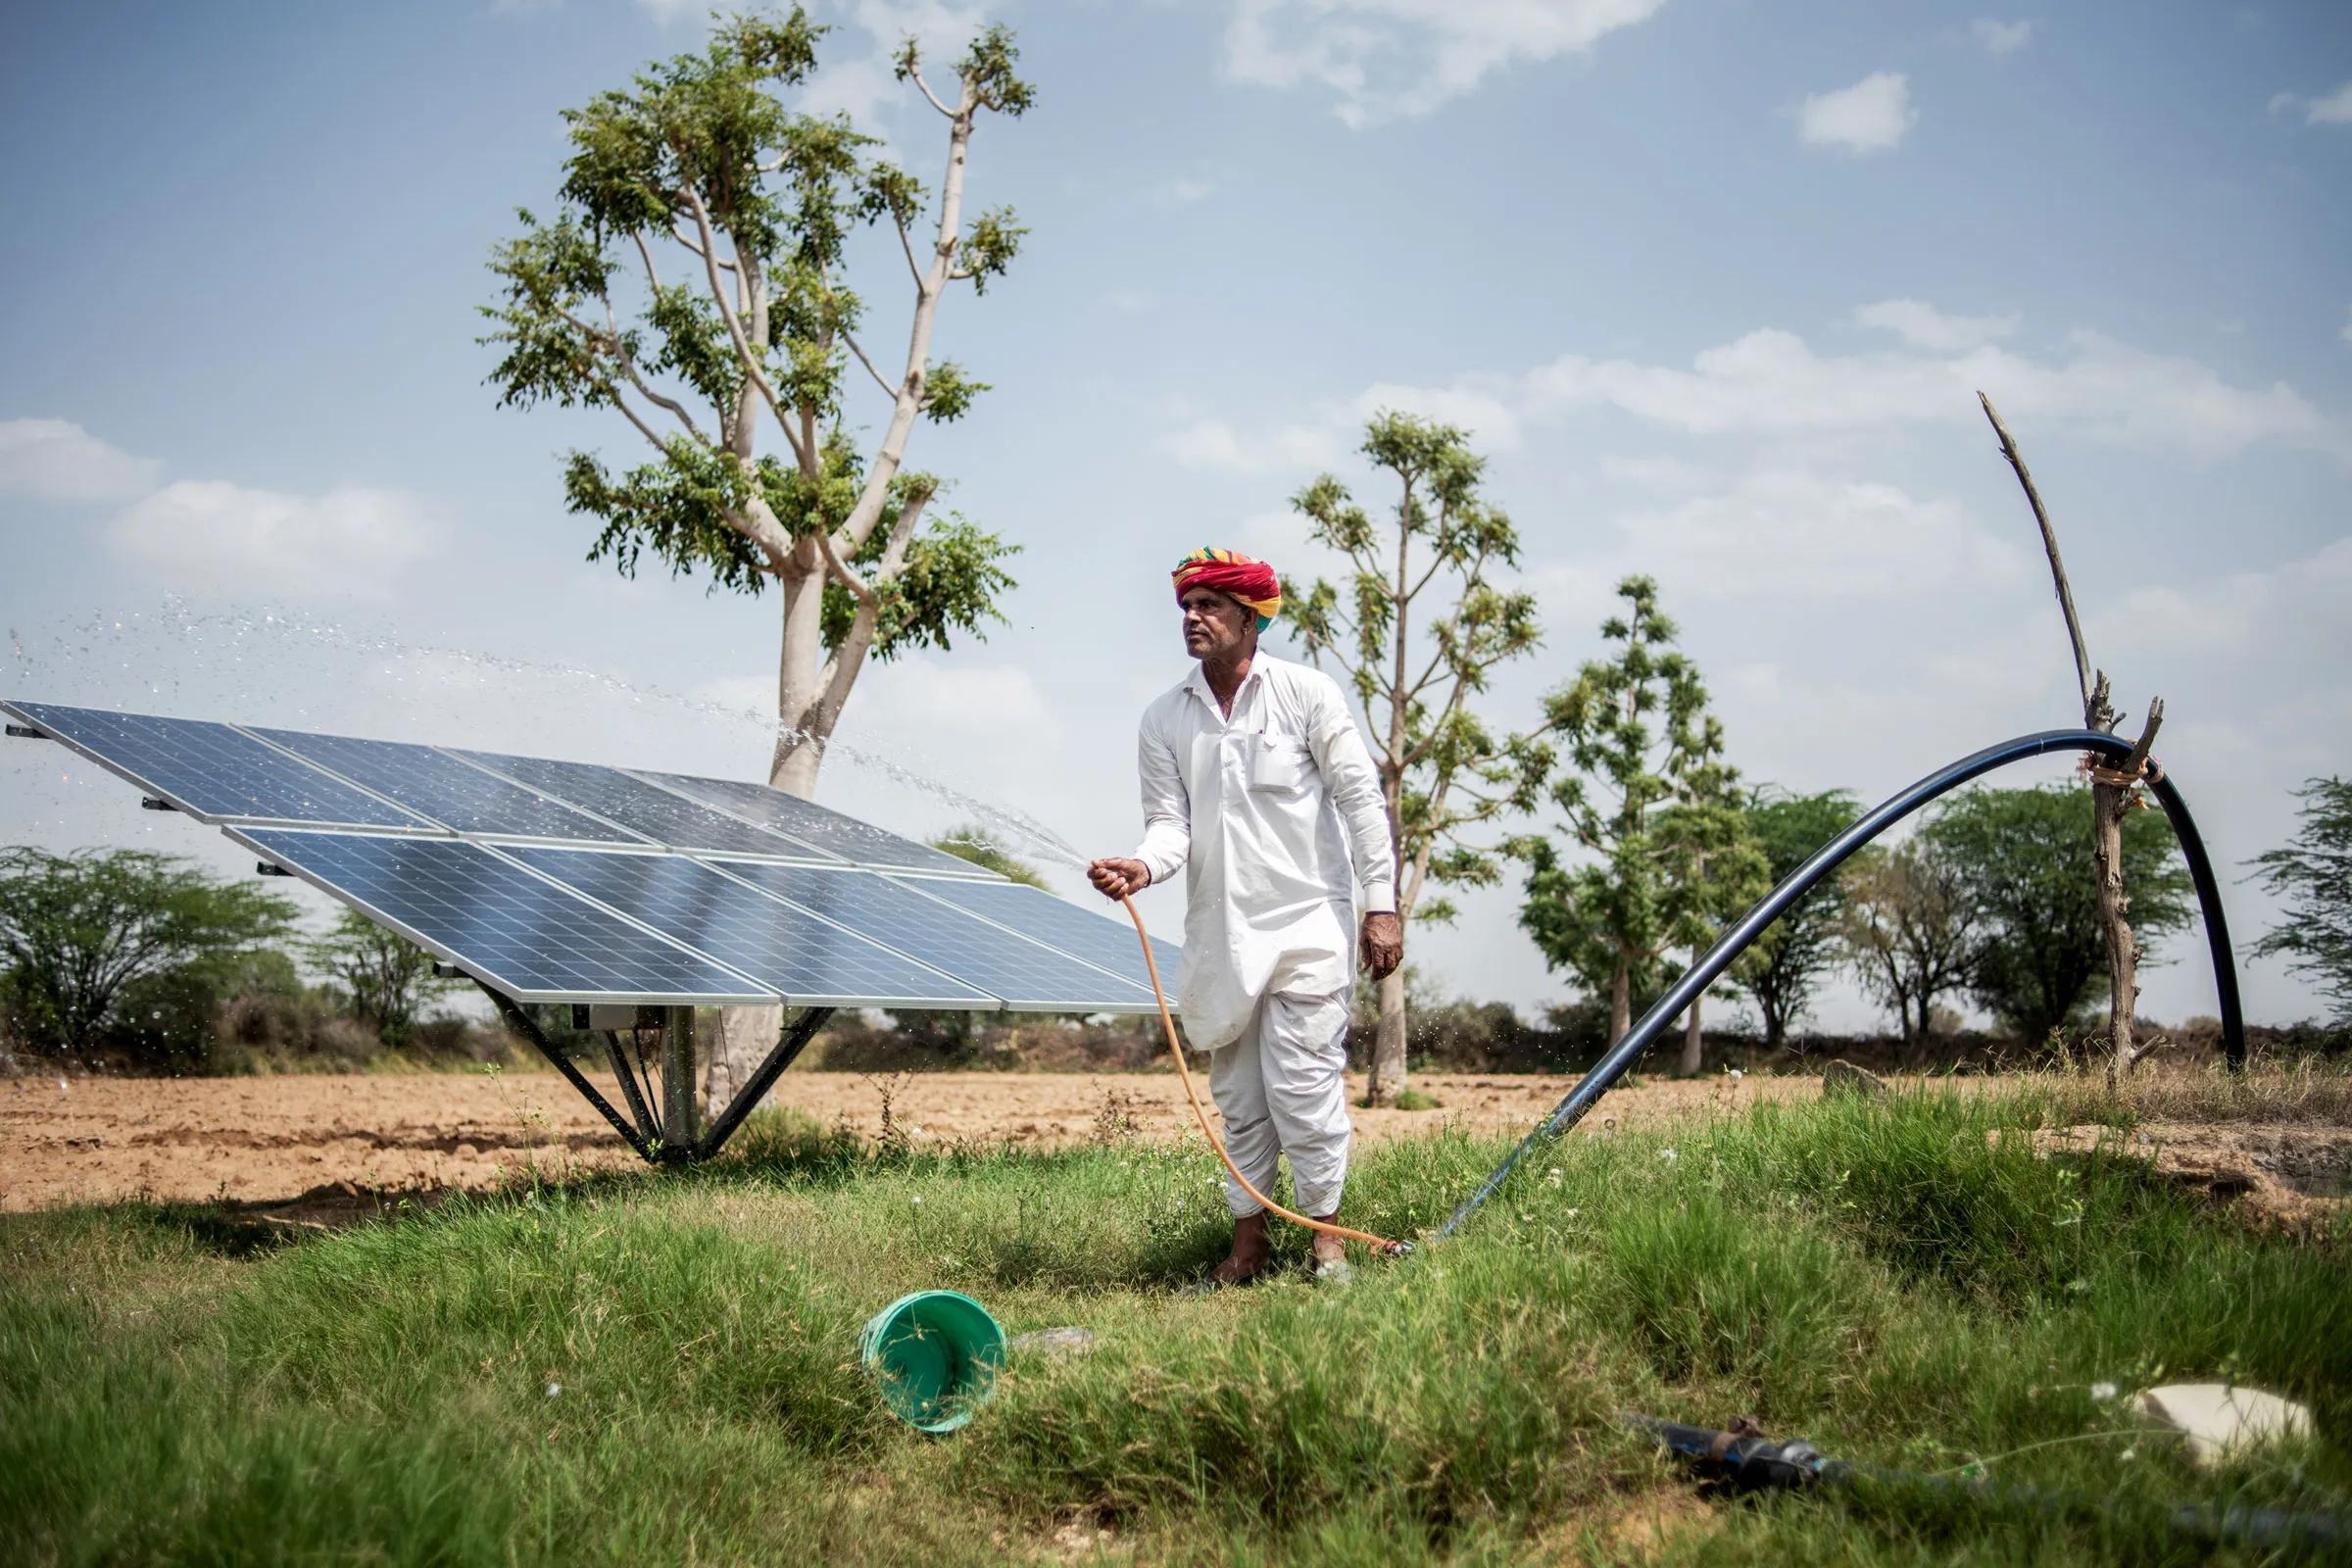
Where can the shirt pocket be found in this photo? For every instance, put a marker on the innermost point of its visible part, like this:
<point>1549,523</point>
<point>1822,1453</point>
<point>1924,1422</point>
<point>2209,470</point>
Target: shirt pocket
<point>1279,764</point>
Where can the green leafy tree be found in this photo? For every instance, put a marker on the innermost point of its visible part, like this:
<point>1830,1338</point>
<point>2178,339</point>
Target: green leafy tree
<point>1647,794</point>
<point>695,280</point>
<point>2023,862</point>
<point>738,369</point>
<point>79,930</point>
<point>1715,868</point>
<point>976,844</point>
<point>1783,970</point>
<point>1909,930</point>
<point>387,978</point>
<point>2312,876</point>
<point>1415,631</point>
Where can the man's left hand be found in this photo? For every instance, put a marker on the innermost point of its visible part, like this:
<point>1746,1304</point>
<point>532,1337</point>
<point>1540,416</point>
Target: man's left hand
<point>1382,944</point>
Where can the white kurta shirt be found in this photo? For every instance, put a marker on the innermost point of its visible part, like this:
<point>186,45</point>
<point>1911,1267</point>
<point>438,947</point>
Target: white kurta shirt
<point>1274,814</point>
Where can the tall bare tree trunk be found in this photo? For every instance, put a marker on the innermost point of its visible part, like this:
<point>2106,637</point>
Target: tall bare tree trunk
<point>1621,1003</point>
<point>1695,1046</point>
<point>2111,801</point>
<point>1386,1078</point>
<point>2111,791</point>
<point>733,1052</point>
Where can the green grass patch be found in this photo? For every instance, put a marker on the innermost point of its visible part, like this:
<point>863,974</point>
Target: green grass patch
<point>651,1367</point>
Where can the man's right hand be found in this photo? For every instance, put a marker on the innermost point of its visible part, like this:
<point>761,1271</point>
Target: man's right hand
<point>1118,876</point>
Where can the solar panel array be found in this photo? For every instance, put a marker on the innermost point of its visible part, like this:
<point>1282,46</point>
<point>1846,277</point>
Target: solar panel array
<point>448,790</point>
<point>213,771</point>
<point>812,961</point>
<point>558,881</point>
<point>1029,976</point>
<point>535,940</point>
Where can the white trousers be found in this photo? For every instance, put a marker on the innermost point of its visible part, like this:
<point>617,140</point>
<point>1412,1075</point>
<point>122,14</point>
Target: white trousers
<point>1282,1089</point>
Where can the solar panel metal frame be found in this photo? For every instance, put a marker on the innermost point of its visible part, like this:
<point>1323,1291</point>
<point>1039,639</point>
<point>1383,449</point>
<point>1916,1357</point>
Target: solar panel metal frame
<point>754,994</point>
<point>1143,1002</point>
<point>423,828</point>
<point>994,1002</point>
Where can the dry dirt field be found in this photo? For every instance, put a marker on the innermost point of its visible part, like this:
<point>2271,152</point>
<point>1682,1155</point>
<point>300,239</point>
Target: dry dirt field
<point>276,1140</point>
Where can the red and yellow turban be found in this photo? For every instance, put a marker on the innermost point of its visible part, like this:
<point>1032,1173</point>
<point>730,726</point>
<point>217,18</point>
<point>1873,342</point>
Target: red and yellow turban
<point>1230,572</point>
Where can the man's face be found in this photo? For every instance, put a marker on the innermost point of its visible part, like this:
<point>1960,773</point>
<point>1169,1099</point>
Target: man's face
<point>1215,625</point>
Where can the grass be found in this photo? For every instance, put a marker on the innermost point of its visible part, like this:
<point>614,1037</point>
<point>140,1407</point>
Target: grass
<point>657,1368</point>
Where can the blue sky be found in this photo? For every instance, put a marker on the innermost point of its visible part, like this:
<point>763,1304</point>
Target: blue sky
<point>1712,283</point>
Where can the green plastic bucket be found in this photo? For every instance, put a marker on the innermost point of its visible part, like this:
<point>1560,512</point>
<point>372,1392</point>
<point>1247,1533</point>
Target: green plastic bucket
<point>935,1355</point>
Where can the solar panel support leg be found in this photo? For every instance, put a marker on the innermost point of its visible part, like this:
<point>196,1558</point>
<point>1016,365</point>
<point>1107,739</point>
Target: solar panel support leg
<point>639,1111</point>
<point>678,1147</point>
<point>791,1040</point>
<point>522,1023</point>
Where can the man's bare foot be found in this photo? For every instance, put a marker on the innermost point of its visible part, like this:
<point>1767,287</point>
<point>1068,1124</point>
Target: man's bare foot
<point>1249,1255</point>
<point>1331,1253</point>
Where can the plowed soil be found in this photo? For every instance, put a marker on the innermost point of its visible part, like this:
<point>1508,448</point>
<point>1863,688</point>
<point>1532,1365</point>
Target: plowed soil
<point>278,1140</point>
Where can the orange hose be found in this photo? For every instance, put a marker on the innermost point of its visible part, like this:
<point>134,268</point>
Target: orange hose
<point>1379,1243</point>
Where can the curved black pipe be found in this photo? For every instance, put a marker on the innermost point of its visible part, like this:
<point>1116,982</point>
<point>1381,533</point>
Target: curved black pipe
<point>1828,858</point>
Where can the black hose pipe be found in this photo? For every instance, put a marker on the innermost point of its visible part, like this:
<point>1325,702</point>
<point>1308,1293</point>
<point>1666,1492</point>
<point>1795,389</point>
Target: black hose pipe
<point>1749,1461</point>
<point>1736,939</point>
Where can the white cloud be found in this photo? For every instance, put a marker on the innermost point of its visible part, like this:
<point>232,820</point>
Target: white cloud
<point>1653,473</point>
<point>2328,109</point>
<point>2335,109</point>
<point>1485,408</point>
<point>1391,59</point>
<point>208,537</point>
<point>1870,116</point>
<point>2299,606</point>
<point>1923,325</point>
<point>56,460</point>
<point>1807,537</point>
<point>1185,193</point>
<point>2001,37</point>
<point>1771,381</point>
<point>1214,443</point>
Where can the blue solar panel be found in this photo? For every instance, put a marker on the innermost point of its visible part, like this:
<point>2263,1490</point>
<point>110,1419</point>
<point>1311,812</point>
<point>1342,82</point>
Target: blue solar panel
<point>1028,976</point>
<point>643,808</point>
<point>859,843</point>
<point>454,792</point>
<point>812,962</point>
<point>1059,924</point>
<point>518,932</point>
<point>213,770</point>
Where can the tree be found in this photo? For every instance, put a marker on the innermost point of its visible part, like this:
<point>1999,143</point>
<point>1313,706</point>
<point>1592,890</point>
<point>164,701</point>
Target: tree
<point>76,930</point>
<point>976,844</point>
<point>2022,859</point>
<point>1649,794</point>
<point>739,375</point>
<point>387,978</point>
<point>2312,876</point>
<point>1443,772</point>
<point>1909,930</point>
<point>1783,969</point>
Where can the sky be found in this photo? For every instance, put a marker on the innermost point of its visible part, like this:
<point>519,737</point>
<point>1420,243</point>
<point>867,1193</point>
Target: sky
<point>1712,284</point>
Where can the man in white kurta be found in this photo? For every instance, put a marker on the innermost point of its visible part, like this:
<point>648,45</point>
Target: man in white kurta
<point>1256,785</point>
